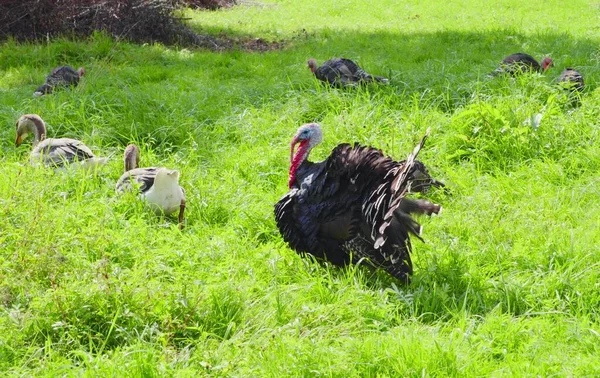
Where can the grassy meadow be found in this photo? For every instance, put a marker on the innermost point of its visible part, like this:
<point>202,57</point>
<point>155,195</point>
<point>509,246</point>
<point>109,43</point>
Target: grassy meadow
<point>506,284</point>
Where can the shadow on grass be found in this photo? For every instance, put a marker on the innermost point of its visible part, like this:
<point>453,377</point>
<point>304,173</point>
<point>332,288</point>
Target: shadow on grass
<point>446,67</point>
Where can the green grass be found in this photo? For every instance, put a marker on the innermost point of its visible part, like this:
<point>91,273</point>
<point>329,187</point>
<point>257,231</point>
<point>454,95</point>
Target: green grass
<point>507,283</point>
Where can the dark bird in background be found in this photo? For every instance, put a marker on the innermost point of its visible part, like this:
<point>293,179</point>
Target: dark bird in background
<point>63,76</point>
<point>519,63</point>
<point>341,72</point>
<point>571,79</point>
<point>353,205</point>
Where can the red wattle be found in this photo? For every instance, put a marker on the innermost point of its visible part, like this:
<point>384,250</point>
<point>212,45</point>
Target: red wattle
<point>296,161</point>
<point>292,146</point>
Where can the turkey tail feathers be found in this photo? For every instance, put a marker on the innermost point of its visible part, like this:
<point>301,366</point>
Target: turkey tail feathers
<point>381,79</point>
<point>410,160</point>
<point>399,187</point>
<point>407,222</point>
<point>494,73</point>
<point>367,77</point>
<point>42,90</point>
<point>419,206</point>
<point>414,206</point>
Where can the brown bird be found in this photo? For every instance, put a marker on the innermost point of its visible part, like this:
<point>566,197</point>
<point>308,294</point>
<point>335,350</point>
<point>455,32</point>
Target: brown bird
<point>63,76</point>
<point>341,72</point>
<point>353,205</point>
<point>571,79</point>
<point>519,63</point>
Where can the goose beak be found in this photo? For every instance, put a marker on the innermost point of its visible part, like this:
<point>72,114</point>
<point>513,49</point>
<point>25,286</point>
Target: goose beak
<point>19,140</point>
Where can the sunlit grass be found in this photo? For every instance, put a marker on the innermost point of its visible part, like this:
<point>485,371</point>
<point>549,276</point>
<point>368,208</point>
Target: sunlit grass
<point>506,284</point>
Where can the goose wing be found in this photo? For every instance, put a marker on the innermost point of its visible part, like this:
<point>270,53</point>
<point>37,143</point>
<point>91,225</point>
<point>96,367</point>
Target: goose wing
<point>144,177</point>
<point>60,152</point>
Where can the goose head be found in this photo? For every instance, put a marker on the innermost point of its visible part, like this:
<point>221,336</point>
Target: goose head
<point>30,124</point>
<point>166,177</point>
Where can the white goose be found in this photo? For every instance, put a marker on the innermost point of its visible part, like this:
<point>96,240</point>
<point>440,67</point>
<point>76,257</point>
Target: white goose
<point>54,152</point>
<point>158,186</point>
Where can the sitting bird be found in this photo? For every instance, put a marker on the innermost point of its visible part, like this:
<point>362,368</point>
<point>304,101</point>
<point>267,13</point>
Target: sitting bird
<point>341,72</point>
<point>54,152</point>
<point>158,186</point>
<point>519,63</point>
<point>353,205</point>
<point>63,76</point>
<point>571,79</point>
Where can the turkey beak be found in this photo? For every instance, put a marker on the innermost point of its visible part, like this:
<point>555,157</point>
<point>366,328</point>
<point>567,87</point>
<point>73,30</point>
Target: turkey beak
<point>292,147</point>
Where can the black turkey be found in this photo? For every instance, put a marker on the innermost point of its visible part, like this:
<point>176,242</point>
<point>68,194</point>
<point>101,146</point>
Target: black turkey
<point>519,63</point>
<point>341,72</point>
<point>63,76</point>
<point>353,205</point>
<point>571,79</point>
<point>420,179</point>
